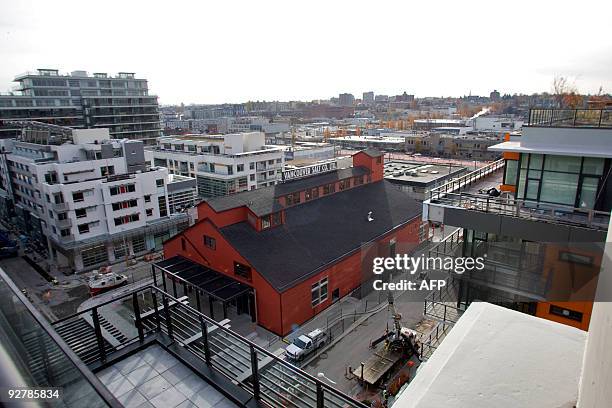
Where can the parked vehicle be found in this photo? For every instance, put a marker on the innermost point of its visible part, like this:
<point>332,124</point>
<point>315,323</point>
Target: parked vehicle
<point>305,344</point>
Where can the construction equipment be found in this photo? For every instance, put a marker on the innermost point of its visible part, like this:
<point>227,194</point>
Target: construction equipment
<point>400,344</point>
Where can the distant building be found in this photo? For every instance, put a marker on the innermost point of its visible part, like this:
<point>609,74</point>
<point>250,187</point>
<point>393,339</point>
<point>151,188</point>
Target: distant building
<point>327,111</point>
<point>368,98</point>
<point>346,99</point>
<point>383,143</point>
<point>428,124</point>
<point>89,199</point>
<point>221,164</point>
<point>494,95</point>
<point>120,103</point>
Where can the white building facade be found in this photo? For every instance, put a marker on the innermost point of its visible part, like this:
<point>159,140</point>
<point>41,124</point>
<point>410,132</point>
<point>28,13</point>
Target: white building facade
<point>221,164</point>
<point>91,200</point>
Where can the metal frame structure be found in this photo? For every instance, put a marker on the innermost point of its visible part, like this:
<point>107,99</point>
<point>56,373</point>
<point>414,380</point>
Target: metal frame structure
<point>270,380</point>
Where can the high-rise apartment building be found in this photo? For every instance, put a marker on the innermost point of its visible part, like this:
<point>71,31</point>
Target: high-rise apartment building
<point>222,164</point>
<point>368,98</point>
<point>346,99</point>
<point>78,100</point>
<point>89,199</point>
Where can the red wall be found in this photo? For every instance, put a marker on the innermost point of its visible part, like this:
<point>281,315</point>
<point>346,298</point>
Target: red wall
<point>280,313</point>
<point>375,164</point>
<point>347,275</point>
<point>222,260</point>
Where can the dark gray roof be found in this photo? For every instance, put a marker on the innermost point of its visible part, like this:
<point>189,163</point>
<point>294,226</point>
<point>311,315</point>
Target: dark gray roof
<point>263,201</point>
<point>373,152</point>
<point>321,231</point>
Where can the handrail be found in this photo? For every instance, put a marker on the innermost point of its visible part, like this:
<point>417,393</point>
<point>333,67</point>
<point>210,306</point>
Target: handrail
<point>253,346</point>
<point>466,180</point>
<point>506,205</point>
<point>87,374</point>
<point>589,118</point>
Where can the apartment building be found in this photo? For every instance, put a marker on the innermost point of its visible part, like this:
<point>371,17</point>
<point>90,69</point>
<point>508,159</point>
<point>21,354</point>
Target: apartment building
<point>543,237</point>
<point>90,199</point>
<point>78,100</point>
<point>221,164</point>
<point>466,146</point>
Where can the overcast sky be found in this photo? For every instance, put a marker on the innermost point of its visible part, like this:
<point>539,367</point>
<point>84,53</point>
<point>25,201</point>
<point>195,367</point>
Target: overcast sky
<point>232,51</point>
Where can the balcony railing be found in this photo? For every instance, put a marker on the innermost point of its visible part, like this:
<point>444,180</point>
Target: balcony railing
<point>466,180</point>
<point>531,210</point>
<point>150,311</point>
<point>588,118</point>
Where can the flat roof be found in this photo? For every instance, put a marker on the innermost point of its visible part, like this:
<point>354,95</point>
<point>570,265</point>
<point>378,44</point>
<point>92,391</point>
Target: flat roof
<point>427,173</point>
<point>579,150</point>
<point>497,357</point>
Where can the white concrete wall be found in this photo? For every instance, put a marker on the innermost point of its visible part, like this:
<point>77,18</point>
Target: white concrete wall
<point>596,381</point>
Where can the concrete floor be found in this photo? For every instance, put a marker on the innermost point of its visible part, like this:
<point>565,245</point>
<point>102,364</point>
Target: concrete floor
<point>154,378</point>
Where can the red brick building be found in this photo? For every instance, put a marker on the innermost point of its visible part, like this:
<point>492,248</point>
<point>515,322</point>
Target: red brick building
<point>303,244</point>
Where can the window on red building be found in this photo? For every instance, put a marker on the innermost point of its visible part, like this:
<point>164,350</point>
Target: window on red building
<point>242,271</point>
<point>291,199</point>
<point>319,292</point>
<point>312,193</point>
<point>210,242</point>
<point>329,188</point>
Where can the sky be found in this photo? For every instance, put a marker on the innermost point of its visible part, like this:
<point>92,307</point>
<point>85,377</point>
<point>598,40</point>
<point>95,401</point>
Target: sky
<point>220,51</point>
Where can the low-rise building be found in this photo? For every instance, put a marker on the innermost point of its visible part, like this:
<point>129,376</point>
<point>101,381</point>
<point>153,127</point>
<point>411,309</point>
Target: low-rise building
<point>88,198</point>
<point>299,246</point>
<point>418,178</point>
<point>221,164</point>
<point>384,143</point>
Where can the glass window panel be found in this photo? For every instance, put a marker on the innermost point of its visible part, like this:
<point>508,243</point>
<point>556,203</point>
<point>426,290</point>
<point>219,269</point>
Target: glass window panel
<point>559,188</point>
<point>532,190</point>
<point>511,170</point>
<point>593,165</point>
<point>535,162</point>
<point>535,174</point>
<point>588,192</point>
<point>524,160</point>
<point>567,164</point>
<point>522,183</point>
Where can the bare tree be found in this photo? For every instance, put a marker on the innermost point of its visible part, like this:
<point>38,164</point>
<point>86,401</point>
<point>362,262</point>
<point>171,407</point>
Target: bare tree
<point>566,93</point>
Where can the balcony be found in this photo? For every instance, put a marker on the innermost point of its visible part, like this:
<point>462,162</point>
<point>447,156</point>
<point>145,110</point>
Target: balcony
<point>570,118</point>
<point>59,207</point>
<point>465,193</point>
<point>149,319</point>
<point>65,223</point>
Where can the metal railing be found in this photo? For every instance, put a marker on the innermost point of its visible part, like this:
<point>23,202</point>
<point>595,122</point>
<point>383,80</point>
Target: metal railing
<point>531,210</point>
<point>570,118</point>
<point>271,380</point>
<point>448,246</point>
<point>442,304</point>
<point>462,182</point>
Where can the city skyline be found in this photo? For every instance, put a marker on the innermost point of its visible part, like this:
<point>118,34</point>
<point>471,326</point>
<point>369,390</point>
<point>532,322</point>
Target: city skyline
<point>218,54</point>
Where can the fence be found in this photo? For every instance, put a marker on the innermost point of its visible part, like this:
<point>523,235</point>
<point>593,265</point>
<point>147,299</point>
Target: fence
<point>465,180</point>
<point>570,117</point>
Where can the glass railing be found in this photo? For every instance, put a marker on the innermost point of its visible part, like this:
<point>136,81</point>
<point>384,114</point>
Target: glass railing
<point>34,355</point>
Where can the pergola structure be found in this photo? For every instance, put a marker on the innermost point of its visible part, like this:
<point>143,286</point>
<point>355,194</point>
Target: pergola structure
<point>203,281</point>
